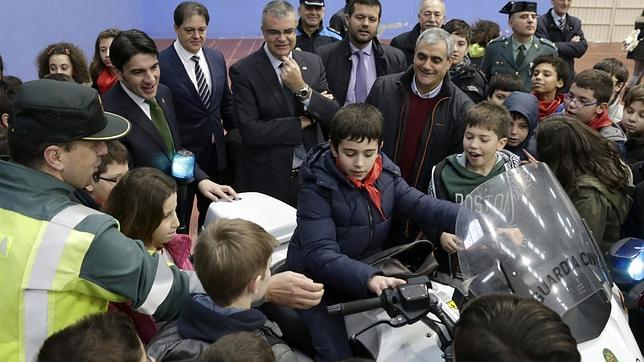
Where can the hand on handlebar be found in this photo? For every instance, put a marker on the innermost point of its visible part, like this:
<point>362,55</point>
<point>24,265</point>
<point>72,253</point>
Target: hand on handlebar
<point>449,242</point>
<point>378,283</point>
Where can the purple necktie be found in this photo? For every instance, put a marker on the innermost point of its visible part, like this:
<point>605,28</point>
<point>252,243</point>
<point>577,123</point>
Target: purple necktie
<point>361,78</point>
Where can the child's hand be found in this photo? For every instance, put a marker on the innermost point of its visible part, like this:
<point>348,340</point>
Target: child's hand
<point>531,158</point>
<point>378,283</point>
<point>449,242</point>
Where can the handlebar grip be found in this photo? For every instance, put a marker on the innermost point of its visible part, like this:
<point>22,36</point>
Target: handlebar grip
<point>355,306</point>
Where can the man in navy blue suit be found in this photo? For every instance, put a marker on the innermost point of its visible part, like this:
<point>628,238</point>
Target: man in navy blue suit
<point>140,98</point>
<point>196,76</point>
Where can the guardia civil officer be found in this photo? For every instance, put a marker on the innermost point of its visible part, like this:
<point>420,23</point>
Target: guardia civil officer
<point>514,54</point>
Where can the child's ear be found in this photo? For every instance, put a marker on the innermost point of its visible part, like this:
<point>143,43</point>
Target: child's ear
<point>5,120</point>
<point>601,107</point>
<point>89,188</point>
<point>382,143</point>
<point>253,285</point>
<point>501,144</point>
<point>334,149</point>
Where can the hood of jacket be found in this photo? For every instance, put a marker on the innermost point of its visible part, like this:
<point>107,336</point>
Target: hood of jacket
<point>202,319</point>
<point>527,105</point>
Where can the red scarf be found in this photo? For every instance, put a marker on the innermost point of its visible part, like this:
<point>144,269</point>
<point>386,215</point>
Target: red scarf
<point>600,121</point>
<point>106,79</point>
<point>369,182</point>
<point>548,108</point>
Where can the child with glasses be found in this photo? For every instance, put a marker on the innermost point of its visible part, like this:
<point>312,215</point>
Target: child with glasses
<point>587,101</point>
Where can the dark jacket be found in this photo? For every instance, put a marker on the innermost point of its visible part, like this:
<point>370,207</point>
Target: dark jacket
<point>634,224</point>
<point>443,132</point>
<point>337,224</point>
<point>321,37</point>
<point>407,42</point>
<point>339,23</point>
<point>528,106</point>
<point>337,62</point>
<point>201,323</point>
<point>603,210</point>
<point>634,149</point>
<point>470,80</point>
<point>567,50</point>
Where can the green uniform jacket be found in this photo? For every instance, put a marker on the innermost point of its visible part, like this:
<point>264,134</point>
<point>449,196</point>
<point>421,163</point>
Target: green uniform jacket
<point>499,58</point>
<point>604,210</point>
<point>58,266</point>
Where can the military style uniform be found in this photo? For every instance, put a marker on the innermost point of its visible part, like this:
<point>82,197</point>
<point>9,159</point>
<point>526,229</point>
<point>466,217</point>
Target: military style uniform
<point>500,58</point>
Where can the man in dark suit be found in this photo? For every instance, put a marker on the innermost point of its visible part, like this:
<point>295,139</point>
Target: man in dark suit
<point>281,100</point>
<point>565,31</point>
<point>197,79</point>
<point>431,14</point>
<point>148,105</point>
<point>360,48</point>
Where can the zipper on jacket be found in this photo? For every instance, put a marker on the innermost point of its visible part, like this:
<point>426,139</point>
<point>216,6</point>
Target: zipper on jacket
<point>366,199</point>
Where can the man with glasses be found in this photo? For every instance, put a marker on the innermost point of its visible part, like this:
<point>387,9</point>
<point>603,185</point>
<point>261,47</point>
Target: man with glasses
<point>281,103</point>
<point>587,101</point>
<point>515,54</point>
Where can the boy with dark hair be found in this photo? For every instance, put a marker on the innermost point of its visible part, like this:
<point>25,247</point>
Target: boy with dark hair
<point>550,76</point>
<point>500,87</point>
<point>524,109</point>
<point>507,327</point>
<point>633,124</point>
<point>232,260</point>
<point>486,133</point>
<point>112,168</point>
<point>587,101</point>
<point>463,73</point>
<point>350,191</point>
<point>619,74</point>
<point>104,337</point>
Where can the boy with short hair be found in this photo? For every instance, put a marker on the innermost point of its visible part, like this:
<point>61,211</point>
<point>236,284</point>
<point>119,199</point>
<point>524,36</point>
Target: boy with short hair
<point>633,124</point>
<point>350,191</point>
<point>486,134</point>
<point>112,168</point>
<point>619,75</point>
<point>550,76</point>
<point>232,260</point>
<point>463,72</point>
<point>501,85</point>
<point>524,109</point>
<point>587,101</point>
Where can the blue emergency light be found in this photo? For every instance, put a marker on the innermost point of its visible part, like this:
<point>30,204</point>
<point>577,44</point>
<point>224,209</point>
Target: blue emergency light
<point>183,165</point>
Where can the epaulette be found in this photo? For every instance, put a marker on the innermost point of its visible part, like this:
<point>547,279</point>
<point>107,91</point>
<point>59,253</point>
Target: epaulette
<point>548,43</point>
<point>496,40</point>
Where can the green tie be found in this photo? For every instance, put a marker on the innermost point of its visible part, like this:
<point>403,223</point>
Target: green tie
<point>161,124</point>
<point>520,55</point>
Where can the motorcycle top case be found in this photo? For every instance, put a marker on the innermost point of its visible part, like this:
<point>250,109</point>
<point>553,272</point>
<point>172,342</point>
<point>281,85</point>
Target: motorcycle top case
<point>275,216</point>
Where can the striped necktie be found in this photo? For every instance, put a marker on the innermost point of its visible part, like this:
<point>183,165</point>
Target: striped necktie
<point>204,91</point>
<point>562,23</point>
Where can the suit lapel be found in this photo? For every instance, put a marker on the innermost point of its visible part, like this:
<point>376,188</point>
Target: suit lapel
<point>181,72</point>
<point>268,75</point>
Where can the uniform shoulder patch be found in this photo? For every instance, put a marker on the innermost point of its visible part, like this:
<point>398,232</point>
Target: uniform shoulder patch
<point>496,40</point>
<point>547,42</point>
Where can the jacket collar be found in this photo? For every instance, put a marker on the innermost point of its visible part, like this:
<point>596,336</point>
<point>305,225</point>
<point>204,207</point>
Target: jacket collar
<point>376,47</point>
<point>408,76</point>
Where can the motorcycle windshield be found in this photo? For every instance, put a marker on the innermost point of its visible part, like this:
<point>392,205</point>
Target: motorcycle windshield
<point>525,230</point>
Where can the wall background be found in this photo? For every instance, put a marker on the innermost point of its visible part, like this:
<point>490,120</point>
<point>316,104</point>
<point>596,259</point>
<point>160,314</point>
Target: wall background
<point>27,26</point>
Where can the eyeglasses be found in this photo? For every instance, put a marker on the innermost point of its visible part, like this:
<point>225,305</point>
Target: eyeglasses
<point>108,179</point>
<point>570,100</point>
<point>274,34</point>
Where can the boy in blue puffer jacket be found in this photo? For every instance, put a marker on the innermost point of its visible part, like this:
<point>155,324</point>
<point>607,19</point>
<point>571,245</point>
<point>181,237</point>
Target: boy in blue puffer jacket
<point>350,190</point>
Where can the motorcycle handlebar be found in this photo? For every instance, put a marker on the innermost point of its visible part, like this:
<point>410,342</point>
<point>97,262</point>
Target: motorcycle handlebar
<point>356,306</point>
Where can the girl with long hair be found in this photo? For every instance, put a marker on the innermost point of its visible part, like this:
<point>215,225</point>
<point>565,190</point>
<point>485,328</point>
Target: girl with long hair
<point>101,69</point>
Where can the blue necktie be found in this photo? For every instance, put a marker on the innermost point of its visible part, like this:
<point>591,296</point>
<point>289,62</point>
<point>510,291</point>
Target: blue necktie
<point>361,78</point>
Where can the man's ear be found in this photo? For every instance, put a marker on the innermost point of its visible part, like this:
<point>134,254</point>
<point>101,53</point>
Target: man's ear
<point>4,119</point>
<point>53,157</point>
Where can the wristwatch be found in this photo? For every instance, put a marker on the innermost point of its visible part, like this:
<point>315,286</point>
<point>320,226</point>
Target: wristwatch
<point>304,93</point>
